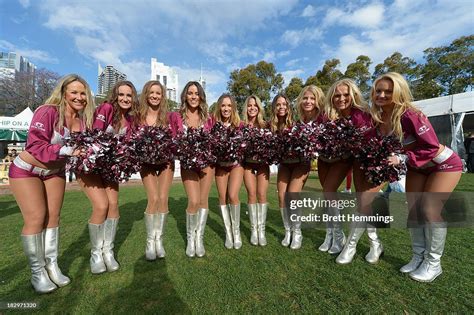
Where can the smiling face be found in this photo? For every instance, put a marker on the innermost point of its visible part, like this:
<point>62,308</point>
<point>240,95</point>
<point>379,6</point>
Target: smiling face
<point>75,96</point>
<point>192,97</point>
<point>281,108</point>
<point>309,102</point>
<point>124,99</point>
<point>252,108</point>
<point>342,99</point>
<point>155,96</point>
<point>226,109</point>
<point>383,94</point>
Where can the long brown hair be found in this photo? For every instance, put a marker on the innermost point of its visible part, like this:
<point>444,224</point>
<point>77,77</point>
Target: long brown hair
<point>275,124</point>
<point>113,100</point>
<point>203,108</point>
<point>234,116</point>
<point>142,109</point>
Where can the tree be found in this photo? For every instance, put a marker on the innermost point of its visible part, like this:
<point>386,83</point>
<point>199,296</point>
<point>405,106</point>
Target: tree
<point>23,90</point>
<point>294,88</point>
<point>260,79</point>
<point>448,69</point>
<point>359,72</point>
<point>397,63</point>
<point>172,106</point>
<point>327,76</point>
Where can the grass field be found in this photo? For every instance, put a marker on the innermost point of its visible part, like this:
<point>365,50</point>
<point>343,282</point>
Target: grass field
<point>270,279</point>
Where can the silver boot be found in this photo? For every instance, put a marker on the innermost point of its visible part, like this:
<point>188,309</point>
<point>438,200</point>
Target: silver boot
<point>159,227</point>
<point>191,225</point>
<point>418,247</point>
<point>110,230</point>
<point>201,226</point>
<point>235,218</point>
<point>229,243</point>
<point>96,234</point>
<point>261,219</point>
<point>349,250</point>
<point>430,268</point>
<point>297,237</point>
<point>253,212</point>
<point>150,250</point>
<point>376,248</point>
<point>51,245</point>
<point>326,245</point>
<point>285,217</point>
<point>34,249</point>
<point>338,237</point>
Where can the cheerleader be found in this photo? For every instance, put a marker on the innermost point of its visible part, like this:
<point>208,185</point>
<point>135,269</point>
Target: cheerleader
<point>344,99</point>
<point>432,168</point>
<point>256,176</point>
<point>229,175</point>
<point>114,117</point>
<point>38,180</point>
<point>197,183</point>
<point>157,178</point>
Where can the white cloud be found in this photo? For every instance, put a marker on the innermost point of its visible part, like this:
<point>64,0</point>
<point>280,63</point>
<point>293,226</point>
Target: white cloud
<point>293,62</point>
<point>214,80</point>
<point>309,11</point>
<point>369,16</point>
<point>296,37</point>
<point>24,3</point>
<point>32,54</point>
<point>289,74</point>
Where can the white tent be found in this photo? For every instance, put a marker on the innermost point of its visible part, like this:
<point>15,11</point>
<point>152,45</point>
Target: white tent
<point>447,114</point>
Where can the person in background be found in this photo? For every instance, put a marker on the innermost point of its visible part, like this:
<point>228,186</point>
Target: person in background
<point>37,176</point>
<point>112,116</point>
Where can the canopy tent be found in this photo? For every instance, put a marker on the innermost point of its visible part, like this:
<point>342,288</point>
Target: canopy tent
<point>447,114</point>
<point>15,129</point>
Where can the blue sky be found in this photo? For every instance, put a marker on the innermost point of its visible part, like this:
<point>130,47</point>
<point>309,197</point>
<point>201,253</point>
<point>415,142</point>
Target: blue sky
<point>72,36</point>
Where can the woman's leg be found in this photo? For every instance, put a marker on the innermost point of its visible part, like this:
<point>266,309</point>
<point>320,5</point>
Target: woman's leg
<point>250,181</point>
<point>283,179</point>
<point>298,177</point>
<point>263,176</point>
<point>233,189</point>
<point>205,182</point>
<point>222,178</point>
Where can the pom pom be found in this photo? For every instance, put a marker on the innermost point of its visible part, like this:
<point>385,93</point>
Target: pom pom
<point>373,159</point>
<point>228,143</point>
<point>154,145</point>
<point>300,142</point>
<point>262,145</point>
<point>194,149</point>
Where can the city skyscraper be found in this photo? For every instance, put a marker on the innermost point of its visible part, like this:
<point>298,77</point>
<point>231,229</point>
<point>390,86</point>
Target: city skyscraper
<point>12,63</point>
<point>107,77</point>
<point>167,76</point>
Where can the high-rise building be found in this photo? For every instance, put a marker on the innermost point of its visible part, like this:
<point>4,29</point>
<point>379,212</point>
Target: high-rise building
<point>202,81</point>
<point>168,76</point>
<point>107,77</point>
<point>12,63</point>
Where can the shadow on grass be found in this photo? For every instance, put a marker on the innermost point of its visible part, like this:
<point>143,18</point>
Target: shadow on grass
<point>8,208</point>
<point>151,291</point>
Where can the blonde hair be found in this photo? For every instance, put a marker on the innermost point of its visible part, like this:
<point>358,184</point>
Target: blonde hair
<point>318,94</point>
<point>142,109</point>
<point>260,121</point>
<point>234,116</point>
<point>203,108</point>
<point>401,99</point>
<point>57,99</point>
<point>275,124</point>
<point>357,100</point>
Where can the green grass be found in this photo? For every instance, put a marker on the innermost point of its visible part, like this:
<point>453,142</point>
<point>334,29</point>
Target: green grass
<point>270,279</point>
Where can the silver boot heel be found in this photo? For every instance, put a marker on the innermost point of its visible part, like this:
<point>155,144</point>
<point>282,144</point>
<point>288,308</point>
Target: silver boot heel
<point>229,243</point>
<point>349,250</point>
<point>376,248</point>
<point>110,230</point>
<point>160,223</point>
<point>51,245</point>
<point>201,226</point>
<point>235,218</point>
<point>338,237</point>
<point>34,249</point>
<point>326,245</point>
<point>418,246</point>
<point>262,209</point>
<point>286,224</point>
<point>150,250</point>
<point>191,225</point>
<point>253,212</point>
<point>96,234</point>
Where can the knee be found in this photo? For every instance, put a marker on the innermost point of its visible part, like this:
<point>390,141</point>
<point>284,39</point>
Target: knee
<point>234,199</point>
<point>262,197</point>
<point>100,207</point>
